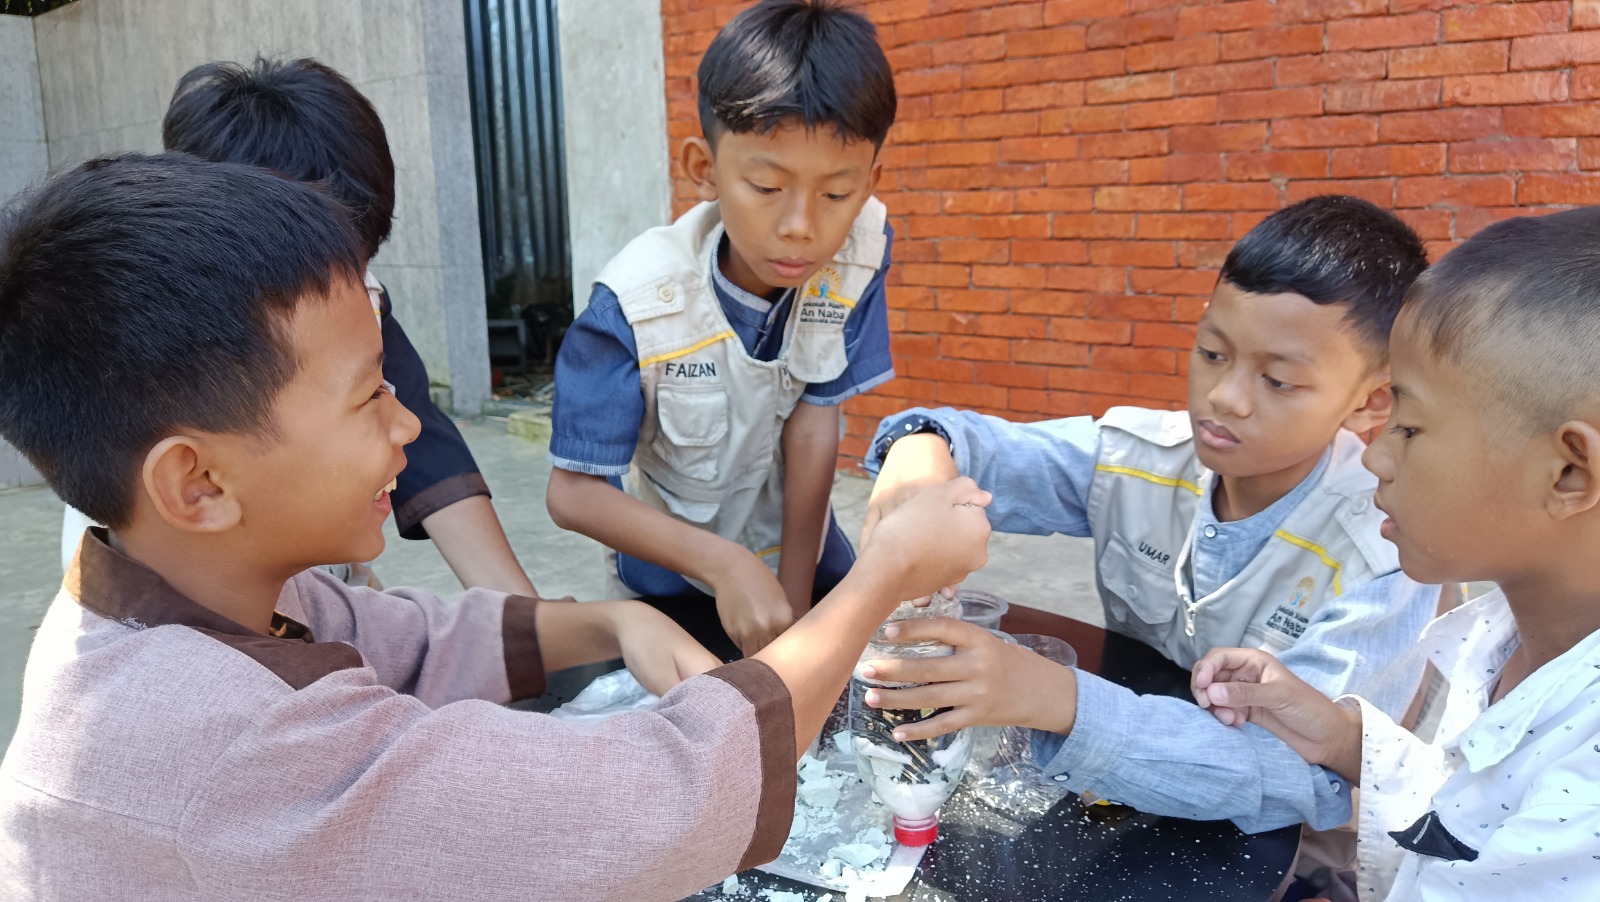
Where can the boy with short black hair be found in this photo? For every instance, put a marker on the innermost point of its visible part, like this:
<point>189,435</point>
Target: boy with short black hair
<point>1487,472</point>
<point>696,423</point>
<point>305,121</point>
<point>204,717</point>
<point>1246,519</point>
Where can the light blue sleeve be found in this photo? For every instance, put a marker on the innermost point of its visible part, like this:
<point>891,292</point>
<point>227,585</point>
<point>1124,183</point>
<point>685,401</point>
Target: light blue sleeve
<point>1168,756</point>
<point>1039,473</point>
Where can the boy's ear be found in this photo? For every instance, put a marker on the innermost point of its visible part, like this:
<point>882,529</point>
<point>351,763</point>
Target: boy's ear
<point>1375,407</point>
<point>694,157</point>
<point>185,489</point>
<point>1577,484</point>
<point>877,173</point>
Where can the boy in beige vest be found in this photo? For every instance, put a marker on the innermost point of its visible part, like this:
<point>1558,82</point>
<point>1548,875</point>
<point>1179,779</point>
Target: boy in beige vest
<point>205,718</point>
<point>696,422</point>
<point>1245,520</point>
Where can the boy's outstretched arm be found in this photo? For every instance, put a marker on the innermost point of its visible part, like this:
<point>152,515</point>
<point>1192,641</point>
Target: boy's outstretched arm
<point>810,453</point>
<point>750,602</point>
<point>469,536</point>
<point>1039,473</point>
<point>1248,685</point>
<point>1158,754</point>
<point>657,651</point>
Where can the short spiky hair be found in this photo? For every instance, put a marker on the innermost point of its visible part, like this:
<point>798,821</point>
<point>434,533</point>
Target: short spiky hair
<point>1517,309</point>
<point>1333,249</point>
<point>145,294</point>
<point>813,61</point>
<point>298,118</point>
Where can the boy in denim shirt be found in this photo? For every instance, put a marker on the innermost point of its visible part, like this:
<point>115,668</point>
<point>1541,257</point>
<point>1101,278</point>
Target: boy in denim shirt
<point>696,422</point>
<point>1246,520</point>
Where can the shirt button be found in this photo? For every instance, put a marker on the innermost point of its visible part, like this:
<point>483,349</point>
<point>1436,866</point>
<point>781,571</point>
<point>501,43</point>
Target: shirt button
<point>1211,532</point>
<point>1061,778</point>
<point>665,293</point>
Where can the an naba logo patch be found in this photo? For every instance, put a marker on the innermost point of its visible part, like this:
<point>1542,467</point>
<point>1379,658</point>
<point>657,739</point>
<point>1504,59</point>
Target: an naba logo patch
<point>1302,592</point>
<point>821,302</point>
<point>1289,619</point>
<point>825,284</point>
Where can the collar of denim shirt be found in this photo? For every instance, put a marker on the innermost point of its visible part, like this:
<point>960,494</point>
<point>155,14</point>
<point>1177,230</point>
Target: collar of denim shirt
<point>1222,550</point>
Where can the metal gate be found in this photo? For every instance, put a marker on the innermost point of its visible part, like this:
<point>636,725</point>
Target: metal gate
<point>515,79</point>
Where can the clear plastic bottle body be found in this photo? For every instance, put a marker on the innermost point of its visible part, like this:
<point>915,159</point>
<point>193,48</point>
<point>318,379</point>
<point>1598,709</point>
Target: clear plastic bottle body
<point>914,778</point>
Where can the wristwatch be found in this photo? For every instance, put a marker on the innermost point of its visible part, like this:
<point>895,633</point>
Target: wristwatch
<point>910,424</point>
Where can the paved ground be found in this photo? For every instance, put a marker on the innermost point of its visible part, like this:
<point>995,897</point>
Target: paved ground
<point>1051,573</point>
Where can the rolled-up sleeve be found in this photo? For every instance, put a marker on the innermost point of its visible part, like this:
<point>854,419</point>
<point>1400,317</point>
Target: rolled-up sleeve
<point>599,406</point>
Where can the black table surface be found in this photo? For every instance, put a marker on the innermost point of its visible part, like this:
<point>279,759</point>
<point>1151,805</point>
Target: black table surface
<point>1094,852</point>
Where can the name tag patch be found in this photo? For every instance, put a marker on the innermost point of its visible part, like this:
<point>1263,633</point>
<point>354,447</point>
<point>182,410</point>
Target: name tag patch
<point>1154,553</point>
<point>690,370</point>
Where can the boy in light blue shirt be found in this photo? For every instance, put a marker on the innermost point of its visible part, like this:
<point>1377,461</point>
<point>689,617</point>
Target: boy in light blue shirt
<point>1246,520</point>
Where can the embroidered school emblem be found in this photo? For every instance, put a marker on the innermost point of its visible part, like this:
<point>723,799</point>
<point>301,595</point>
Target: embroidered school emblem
<point>826,284</point>
<point>1288,619</point>
<point>823,304</point>
<point>1302,592</point>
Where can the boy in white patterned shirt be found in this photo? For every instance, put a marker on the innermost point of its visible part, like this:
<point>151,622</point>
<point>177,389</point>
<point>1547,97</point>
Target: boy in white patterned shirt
<point>1489,470</point>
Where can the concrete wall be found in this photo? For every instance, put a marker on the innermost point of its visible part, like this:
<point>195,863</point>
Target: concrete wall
<point>615,120</point>
<point>23,161</point>
<point>107,69</point>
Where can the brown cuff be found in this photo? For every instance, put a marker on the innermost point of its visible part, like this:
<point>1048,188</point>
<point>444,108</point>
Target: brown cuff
<point>409,516</point>
<point>519,636</point>
<point>775,723</point>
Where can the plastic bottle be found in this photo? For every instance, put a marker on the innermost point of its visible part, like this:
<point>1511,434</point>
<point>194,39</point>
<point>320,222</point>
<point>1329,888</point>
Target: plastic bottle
<point>914,778</point>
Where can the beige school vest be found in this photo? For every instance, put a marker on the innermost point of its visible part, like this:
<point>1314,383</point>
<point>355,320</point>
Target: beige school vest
<point>1142,510</point>
<point>710,450</point>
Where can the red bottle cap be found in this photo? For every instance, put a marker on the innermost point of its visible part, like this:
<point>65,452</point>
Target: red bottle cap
<point>916,833</point>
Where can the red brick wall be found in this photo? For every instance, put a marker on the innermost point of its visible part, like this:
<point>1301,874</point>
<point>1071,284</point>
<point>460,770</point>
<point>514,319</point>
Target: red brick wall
<point>1066,176</point>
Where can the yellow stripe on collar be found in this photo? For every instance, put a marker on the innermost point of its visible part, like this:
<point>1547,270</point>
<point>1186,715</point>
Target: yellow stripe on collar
<point>1322,554</point>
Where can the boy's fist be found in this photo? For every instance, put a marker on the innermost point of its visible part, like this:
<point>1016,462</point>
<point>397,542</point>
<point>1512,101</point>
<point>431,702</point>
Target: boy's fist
<point>933,539</point>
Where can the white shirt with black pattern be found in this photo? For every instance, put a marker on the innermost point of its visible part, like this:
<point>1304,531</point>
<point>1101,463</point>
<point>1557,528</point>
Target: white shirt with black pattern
<point>1514,788</point>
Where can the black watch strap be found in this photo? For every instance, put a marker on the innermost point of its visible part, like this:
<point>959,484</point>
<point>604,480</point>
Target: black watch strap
<point>910,424</point>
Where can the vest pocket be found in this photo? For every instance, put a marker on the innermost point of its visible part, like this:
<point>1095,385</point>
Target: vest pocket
<point>817,354</point>
<point>1146,587</point>
<point>694,421</point>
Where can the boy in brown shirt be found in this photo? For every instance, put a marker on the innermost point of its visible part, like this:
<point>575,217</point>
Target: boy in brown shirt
<point>190,357</point>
